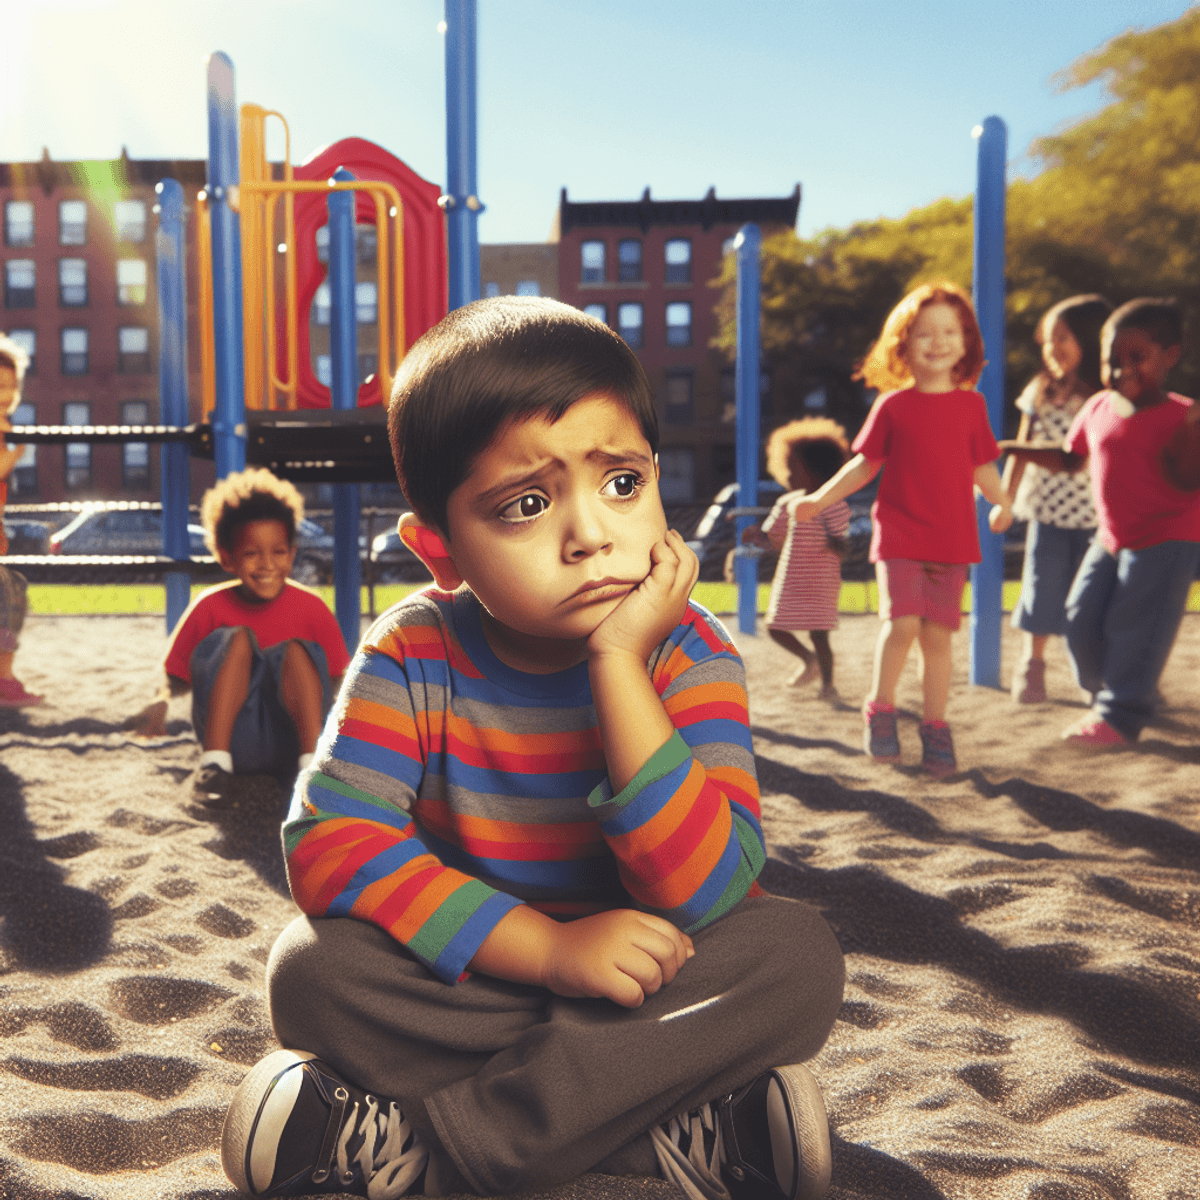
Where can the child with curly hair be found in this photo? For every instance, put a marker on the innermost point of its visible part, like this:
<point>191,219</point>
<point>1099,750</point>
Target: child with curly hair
<point>933,433</point>
<point>262,655</point>
<point>802,455</point>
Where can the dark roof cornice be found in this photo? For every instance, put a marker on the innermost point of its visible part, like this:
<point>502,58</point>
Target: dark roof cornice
<point>707,212</point>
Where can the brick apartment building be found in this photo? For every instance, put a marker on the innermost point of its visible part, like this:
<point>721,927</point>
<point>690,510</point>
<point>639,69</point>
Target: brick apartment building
<point>645,268</point>
<point>80,298</point>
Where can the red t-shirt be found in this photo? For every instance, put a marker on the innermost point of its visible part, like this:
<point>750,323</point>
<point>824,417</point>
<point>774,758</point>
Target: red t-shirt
<point>1136,505</point>
<point>294,613</point>
<point>931,443</point>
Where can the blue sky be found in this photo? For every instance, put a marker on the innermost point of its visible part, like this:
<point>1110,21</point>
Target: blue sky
<point>868,104</point>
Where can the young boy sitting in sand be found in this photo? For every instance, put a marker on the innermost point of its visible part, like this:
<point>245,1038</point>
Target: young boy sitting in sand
<point>12,583</point>
<point>261,654</point>
<point>526,851</point>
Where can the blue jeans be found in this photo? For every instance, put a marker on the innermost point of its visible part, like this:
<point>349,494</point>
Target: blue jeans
<point>1052,556</point>
<point>1122,616</point>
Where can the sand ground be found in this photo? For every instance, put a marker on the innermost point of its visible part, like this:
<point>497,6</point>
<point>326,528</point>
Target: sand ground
<point>1022,1017</point>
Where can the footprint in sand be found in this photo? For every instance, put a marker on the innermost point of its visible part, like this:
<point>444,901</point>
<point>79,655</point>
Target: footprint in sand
<point>156,1001</point>
<point>176,889</point>
<point>69,845</point>
<point>157,1078</point>
<point>70,1022</point>
<point>224,922</point>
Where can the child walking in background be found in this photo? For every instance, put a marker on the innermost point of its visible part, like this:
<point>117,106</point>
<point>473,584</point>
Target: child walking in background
<point>801,456</point>
<point>933,434</point>
<point>1058,506</point>
<point>1142,446</point>
<point>12,583</point>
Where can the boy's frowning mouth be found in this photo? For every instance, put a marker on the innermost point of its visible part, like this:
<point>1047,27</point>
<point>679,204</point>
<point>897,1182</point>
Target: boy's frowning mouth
<point>602,589</point>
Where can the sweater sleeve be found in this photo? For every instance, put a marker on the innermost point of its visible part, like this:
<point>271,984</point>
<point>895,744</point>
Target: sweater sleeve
<point>353,850</point>
<point>686,830</point>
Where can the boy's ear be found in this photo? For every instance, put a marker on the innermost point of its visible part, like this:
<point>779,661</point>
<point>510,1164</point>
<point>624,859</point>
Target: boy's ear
<point>428,545</point>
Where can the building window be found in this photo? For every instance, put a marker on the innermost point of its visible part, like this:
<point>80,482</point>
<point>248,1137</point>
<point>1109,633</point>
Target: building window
<point>72,223</point>
<point>325,369</point>
<point>18,223</point>
<point>133,349</point>
<point>368,364</point>
<point>629,324</point>
<point>72,282</point>
<point>131,280</point>
<point>677,474</point>
<point>679,323</point>
<point>366,303</point>
<point>629,261</point>
<point>491,289</point>
<point>679,260</point>
<point>79,454</point>
<point>20,280</point>
<point>322,308</point>
<point>27,340</point>
<point>591,257</point>
<point>366,243</point>
<point>135,456</point>
<point>129,220</point>
<point>75,355</point>
<point>23,480</point>
<point>677,398</point>
<point>599,311</point>
<point>528,287</point>
<point>323,244</point>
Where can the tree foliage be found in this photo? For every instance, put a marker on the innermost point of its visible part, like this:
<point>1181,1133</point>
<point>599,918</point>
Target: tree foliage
<point>1115,209</point>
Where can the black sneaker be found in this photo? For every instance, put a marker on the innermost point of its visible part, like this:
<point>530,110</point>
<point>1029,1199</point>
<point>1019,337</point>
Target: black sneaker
<point>213,787</point>
<point>296,1128</point>
<point>767,1141</point>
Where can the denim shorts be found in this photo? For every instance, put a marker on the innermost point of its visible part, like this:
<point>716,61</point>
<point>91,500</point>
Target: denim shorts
<point>1052,557</point>
<point>931,591</point>
<point>264,736</point>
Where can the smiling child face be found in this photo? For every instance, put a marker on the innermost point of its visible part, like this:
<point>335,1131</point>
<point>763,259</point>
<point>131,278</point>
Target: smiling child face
<point>934,347</point>
<point>1135,365</point>
<point>553,527</point>
<point>261,557</point>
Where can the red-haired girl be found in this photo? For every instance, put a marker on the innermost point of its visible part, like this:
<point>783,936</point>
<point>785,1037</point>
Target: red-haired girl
<point>934,435</point>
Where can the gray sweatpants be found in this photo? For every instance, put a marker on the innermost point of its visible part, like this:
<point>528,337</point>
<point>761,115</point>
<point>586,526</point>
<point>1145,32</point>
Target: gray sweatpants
<point>514,1088</point>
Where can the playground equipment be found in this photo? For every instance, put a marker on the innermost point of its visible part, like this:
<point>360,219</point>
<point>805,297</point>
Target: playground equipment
<point>262,400</point>
<point>987,576</point>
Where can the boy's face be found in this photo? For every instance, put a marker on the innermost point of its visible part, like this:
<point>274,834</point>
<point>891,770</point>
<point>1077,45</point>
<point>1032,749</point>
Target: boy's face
<point>261,557</point>
<point>1135,365</point>
<point>553,526</point>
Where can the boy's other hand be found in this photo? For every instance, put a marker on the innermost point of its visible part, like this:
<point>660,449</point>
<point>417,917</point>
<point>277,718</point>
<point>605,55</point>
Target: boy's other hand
<point>622,955</point>
<point>648,613</point>
<point>151,721</point>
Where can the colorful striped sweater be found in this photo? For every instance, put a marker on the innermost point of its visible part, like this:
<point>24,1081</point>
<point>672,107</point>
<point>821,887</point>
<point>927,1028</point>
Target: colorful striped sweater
<point>448,788</point>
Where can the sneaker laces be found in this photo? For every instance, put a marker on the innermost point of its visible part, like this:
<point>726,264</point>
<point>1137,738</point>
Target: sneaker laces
<point>694,1175</point>
<point>383,1162</point>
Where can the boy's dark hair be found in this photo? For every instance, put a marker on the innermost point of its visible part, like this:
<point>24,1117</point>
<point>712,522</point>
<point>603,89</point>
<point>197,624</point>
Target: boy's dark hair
<point>1084,316</point>
<point>488,364</point>
<point>822,444</point>
<point>250,495</point>
<point>1162,319</point>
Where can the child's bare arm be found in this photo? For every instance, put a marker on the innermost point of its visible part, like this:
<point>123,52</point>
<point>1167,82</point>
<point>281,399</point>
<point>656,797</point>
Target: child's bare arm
<point>1181,455</point>
<point>987,480</point>
<point>1014,468</point>
<point>857,473</point>
<point>754,536</point>
<point>151,721</point>
<point>1050,455</point>
<point>622,954</point>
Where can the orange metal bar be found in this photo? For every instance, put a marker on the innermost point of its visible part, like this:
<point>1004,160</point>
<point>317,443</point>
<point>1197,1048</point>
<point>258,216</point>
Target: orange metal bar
<point>208,341</point>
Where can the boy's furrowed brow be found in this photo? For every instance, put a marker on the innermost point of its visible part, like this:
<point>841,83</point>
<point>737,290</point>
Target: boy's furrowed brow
<point>608,458</point>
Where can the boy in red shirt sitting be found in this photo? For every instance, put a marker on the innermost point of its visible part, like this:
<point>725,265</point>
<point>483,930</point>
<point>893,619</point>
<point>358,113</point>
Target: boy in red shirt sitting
<point>262,654</point>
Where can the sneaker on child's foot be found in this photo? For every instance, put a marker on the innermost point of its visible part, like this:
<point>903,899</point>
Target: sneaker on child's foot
<point>14,695</point>
<point>1029,682</point>
<point>214,787</point>
<point>880,739</point>
<point>937,749</point>
<point>296,1128</point>
<point>1094,733</point>
<point>767,1141</point>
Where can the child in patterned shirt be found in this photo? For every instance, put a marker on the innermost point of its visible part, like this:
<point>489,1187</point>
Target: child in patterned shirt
<point>1058,506</point>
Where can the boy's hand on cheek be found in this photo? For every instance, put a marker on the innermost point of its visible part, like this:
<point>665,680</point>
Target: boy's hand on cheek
<point>648,613</point>
<point>621,955</point>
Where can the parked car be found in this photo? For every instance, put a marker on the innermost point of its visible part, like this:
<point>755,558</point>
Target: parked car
<point>120,531</point>
<point>394,562</point>
<point>715,535</point>
<point>26,537</point>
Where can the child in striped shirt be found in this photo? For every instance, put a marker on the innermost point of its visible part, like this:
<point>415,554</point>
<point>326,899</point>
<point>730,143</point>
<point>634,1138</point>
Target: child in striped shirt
<point>526,851</point>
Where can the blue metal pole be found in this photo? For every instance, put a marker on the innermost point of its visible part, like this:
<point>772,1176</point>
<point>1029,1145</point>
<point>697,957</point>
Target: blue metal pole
<point>987,576</point>
<point>461,202</point>
<point>749,398</point>
<point>172,388</point>
<point>229,423</point>
<point>343,345</point>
